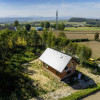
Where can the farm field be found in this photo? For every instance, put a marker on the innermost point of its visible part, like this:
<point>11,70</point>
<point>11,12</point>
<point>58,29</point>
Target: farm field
<point>82,29</point>
<point>79,30</point>
<point>80,36</point>
<point>60,21</point>
<point>74,35</point>
<point>95,46</point>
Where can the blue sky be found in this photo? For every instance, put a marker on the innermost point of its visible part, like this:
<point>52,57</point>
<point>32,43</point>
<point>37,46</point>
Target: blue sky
<point>47,8</point>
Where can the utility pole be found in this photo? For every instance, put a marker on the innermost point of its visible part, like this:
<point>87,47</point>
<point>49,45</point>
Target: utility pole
<point>56,19</point>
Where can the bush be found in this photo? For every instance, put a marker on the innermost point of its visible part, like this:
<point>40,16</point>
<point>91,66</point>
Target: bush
<point>96,36</point>
<point>93,67</point>
<point>98,59</point>
<point>79,40</point>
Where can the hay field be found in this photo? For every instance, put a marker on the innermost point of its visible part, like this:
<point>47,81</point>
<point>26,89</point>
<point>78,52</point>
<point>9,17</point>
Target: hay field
<point>95,47</point>
<point>80,36</point>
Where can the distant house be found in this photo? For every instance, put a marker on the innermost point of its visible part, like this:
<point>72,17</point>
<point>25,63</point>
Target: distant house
<point>59,64</point>
<point>10,28</point>
<point>39,28</point>
<point>53,29</point>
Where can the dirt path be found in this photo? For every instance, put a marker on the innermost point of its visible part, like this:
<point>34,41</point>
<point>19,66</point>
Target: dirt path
<point>95,96</point>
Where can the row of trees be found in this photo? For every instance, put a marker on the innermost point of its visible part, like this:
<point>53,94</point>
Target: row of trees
<point>47,25</point>
<point>46,39</point>
<point>91,22</point>
<point>61,43</point>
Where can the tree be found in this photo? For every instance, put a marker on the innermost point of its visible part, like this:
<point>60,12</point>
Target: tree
<point>74,48</point>
<point>61,34</point>
<point>53,38</point>
<point>58,26</point>
<point>44,37</point>
<point>62,26</point>
<point>84,53</point>
<point>49,39</point>
<point>47,25</point>
<point>96,36</point>
<point>62,40</point>
<point>53,26</point>
<point>16,23</point>
<point>69,48</point>
<point>42,24</point>
<point>28,27</point>
<point>35,38</point>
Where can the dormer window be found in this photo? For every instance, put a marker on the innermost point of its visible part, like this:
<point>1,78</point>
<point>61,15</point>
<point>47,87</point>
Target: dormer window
<point>72,64</point>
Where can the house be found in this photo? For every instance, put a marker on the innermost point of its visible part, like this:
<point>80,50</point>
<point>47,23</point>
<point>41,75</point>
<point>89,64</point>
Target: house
<point>60,64</point>
<point>10,28</point>
<point>53,29</point>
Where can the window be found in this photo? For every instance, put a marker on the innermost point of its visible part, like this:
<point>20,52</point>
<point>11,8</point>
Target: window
<point>72,64</point>
<point>57,73</point>
<point>69,72</point>
<point>66,68</point>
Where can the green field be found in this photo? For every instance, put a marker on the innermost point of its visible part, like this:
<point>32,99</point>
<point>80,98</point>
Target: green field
<point>82,29</point>
<point>37,23</point>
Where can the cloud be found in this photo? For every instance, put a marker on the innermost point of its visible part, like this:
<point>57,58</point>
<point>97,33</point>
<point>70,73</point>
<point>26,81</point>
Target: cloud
<point>80,9</point>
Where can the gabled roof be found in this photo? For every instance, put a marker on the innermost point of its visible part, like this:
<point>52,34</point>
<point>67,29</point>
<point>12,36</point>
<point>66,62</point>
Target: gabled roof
<point>55,59</point>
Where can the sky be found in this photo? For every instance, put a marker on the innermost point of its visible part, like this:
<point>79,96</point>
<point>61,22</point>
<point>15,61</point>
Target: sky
<point>47,8</point>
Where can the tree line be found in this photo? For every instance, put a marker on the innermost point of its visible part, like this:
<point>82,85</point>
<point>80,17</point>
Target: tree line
<point>48,25</point>
<point>95,22</point>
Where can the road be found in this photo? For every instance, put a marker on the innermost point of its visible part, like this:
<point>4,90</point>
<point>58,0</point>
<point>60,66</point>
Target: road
<point>95,96</point>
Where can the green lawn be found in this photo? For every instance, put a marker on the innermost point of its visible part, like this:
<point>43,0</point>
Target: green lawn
<point>82,29</point>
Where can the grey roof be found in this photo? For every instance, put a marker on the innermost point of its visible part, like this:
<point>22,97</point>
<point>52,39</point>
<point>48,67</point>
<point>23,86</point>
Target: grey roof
<point>55,59</point>
<point>10,28</point>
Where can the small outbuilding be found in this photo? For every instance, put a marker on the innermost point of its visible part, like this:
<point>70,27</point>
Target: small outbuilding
<point>39,28</point>
<point>60,64</point>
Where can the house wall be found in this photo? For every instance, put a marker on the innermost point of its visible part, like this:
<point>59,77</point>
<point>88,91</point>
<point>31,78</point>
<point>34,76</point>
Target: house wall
<point>65,73</point>
<point>52,70</point>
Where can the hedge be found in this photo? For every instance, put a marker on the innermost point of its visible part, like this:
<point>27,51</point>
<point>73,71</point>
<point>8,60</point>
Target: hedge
<point>82,93</point>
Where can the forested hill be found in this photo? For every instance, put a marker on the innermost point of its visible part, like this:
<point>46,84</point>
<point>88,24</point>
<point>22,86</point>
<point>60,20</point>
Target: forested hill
<point>88,21</point>
<point>75,19</point>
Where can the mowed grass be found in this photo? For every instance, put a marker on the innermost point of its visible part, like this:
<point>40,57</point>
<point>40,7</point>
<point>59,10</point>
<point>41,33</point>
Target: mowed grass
<point>82,29</point>
<point>45,82</point>
<point>95,47</point>
<point>33,28</point>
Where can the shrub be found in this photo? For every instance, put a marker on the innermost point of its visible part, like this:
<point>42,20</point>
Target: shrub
<point>98,59</point>
<point>79,40</point>
<point>96,36</point>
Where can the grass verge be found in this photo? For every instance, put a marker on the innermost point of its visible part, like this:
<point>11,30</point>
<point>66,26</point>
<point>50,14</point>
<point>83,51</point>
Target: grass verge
<point>82,93</point>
